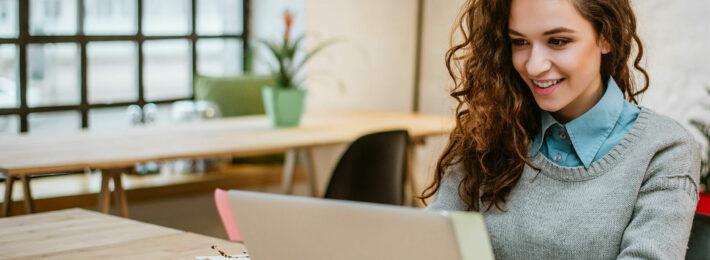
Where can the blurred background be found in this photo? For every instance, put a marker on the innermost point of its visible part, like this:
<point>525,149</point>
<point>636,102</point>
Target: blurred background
<point>391,56</point>
<point>68,65</point>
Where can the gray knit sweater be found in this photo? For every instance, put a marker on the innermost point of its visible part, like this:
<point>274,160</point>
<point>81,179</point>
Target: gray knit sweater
<point>636,202</point>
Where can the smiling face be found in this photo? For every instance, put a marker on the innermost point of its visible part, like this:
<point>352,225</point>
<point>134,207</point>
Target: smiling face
<point>558,54</point>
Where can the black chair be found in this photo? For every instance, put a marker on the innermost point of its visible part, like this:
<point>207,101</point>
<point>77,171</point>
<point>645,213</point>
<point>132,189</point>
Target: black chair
<point>373,169</point>
<point>699,244</point>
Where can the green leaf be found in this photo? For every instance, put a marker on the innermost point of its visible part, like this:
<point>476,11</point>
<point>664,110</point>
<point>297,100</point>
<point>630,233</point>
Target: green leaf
<point>282,75</point>
<point>273,48</point>
<point>285,50</point>
<point>285,54</point>
<point>292,49</point>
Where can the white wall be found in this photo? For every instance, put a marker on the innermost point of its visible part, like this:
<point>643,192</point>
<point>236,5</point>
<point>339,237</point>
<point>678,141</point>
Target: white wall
<point>435,83</point>
<point>375,59</point>
<point>675,35</point>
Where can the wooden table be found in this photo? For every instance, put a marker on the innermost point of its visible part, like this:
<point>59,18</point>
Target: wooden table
<point>117,152</point>
<point>83,234</point>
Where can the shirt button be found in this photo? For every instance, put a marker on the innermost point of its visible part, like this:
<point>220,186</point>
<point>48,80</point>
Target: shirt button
<point>558,157</point>
<point>563,134</point>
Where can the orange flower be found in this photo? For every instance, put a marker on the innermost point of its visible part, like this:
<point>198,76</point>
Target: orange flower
<point>288,20</point>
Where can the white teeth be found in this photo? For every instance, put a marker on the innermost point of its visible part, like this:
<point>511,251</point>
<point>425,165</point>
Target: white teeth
<point>546,84</point>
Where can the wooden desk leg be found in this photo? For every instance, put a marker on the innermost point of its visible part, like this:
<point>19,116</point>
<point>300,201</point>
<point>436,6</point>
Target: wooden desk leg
<point>105,194</point>
<point>287,176</point>
<point>7,203</point>
<point>29,202</point>
<point>120,194</point>
<point>308,166</point>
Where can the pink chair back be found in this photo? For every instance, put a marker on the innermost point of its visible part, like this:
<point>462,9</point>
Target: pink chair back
<point>225,213</point>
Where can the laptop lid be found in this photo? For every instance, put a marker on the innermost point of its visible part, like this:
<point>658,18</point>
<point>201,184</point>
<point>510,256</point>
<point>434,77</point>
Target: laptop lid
<point>289,227</point>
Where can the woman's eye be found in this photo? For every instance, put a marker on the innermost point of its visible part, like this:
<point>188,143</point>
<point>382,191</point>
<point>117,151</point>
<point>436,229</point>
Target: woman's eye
<point>518,42</point>
<point>559,42</point>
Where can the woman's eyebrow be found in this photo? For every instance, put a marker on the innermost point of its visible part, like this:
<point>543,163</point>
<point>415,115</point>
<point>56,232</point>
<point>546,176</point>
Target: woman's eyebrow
<point>559,30</point>
<point>549,32</point>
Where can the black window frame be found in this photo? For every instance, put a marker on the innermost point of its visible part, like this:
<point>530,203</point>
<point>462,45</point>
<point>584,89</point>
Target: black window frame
<point>24,38</point>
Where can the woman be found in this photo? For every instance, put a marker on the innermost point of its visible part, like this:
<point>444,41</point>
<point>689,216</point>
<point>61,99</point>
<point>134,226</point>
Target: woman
<point>549,145</point>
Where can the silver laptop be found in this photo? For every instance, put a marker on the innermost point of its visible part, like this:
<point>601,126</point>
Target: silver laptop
<point>294,228</point>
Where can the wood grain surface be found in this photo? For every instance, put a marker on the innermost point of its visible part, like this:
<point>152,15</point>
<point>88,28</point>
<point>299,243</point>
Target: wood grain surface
<point>83,234</point>
<point>240,136</point>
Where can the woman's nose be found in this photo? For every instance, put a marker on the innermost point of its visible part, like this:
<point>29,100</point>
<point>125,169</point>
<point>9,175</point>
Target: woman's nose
<point>538,62</point>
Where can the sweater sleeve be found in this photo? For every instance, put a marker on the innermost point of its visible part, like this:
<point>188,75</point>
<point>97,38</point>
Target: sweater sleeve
<point>447,198</point>
<point>664,210</point>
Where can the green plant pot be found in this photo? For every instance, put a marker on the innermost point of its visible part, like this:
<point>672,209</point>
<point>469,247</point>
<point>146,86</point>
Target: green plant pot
<point>283,106</point>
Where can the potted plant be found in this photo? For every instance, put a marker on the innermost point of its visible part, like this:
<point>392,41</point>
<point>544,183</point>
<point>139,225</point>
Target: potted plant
<point>284,102</point>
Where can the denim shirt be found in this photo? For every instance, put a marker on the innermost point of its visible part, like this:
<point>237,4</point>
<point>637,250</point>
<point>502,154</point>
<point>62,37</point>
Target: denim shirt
<point>590,136</point>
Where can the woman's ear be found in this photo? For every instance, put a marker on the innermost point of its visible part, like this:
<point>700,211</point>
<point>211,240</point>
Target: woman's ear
<point>606,47</point>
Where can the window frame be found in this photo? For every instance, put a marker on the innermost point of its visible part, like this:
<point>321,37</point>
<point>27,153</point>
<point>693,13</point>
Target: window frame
<point>24,38</point>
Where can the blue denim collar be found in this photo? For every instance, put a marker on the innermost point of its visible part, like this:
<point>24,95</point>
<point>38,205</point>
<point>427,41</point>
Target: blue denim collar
<point>588,131</point>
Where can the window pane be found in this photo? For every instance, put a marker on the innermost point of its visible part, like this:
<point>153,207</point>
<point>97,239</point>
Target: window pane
<point>112,72</point>
<point>54,122</point>
<point>8,19</point>
<point>117,118</point>
<point>110,17</point>
<point>8,76</point>
<point>219,17</point>
<point>114,118</point>
<point>219,57</point>
<point>166,69</point>
<point>53,17</point>
<point>9,124</point>
<point>53,72</point>
<point>166,17</point>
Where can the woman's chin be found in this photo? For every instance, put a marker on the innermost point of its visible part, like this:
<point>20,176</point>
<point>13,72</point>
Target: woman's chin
<point>552,108</point>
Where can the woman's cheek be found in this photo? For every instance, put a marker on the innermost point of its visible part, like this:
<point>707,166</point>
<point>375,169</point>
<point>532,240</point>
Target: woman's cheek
<point>568,61</point>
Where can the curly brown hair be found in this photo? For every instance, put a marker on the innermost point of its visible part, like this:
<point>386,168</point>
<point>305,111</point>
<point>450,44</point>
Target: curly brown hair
<point>496,115</point>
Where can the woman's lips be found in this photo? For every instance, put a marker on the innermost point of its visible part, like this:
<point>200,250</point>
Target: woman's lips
<point>548,90</point>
